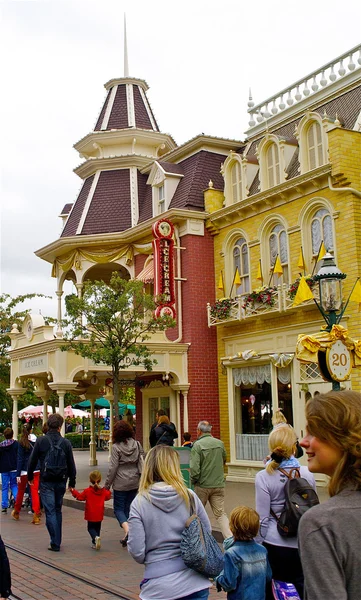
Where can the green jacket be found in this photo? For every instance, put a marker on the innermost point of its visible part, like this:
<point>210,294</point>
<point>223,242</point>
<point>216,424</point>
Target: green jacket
<point>207,462</point>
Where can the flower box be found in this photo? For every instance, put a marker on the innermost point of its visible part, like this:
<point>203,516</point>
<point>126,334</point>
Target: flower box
<point>264,297</point>
<point>292,290</point>
<point>221,310</point>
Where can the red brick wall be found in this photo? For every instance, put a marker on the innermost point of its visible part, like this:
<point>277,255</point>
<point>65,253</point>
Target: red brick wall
<point>198,268</point>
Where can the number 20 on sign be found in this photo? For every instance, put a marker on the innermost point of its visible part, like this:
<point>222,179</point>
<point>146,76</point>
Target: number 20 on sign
<point>338,360</point>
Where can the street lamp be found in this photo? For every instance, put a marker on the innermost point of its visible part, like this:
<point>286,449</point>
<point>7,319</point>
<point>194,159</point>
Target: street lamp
<point>330,305</point>
<point>329,279</point>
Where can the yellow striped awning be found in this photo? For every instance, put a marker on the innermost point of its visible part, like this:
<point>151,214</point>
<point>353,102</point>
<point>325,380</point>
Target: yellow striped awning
<point>147,273</point>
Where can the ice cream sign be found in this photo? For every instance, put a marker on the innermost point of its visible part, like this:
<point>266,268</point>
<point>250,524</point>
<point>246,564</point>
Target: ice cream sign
<point>163,245</point>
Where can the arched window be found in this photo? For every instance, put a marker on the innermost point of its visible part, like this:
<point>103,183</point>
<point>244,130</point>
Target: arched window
<point>236,182</point>
<point>273,165</point>
<point>321,229</point>
<point>278,246</point>
<point>314,146</point>
<point>241,262</point>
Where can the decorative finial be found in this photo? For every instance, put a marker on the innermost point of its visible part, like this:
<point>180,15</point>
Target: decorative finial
<point>210,183</point>
<point>126,66</point>
<point>337,122</point>
<point>250,103</point>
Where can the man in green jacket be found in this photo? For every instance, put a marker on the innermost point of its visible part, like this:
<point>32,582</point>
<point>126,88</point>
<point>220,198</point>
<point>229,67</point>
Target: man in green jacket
<point>207,460</point>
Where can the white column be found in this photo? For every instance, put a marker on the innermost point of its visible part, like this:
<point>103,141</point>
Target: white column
<point>59,331</point>
<point>92,444</point>
<point>61,395</point>
<point>15,423</point>
<point>179,429</point>
<point>185,409</point>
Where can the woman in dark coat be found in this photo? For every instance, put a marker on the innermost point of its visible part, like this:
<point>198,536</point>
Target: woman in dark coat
<point>165,432</point>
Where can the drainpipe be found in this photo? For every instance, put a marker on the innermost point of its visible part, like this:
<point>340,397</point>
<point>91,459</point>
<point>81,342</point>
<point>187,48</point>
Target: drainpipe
<point>343,189</point>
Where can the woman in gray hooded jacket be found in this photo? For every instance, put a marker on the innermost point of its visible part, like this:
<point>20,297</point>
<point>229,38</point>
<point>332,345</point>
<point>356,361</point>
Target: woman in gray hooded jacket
<point>157,519</point>
<point>124,472</point>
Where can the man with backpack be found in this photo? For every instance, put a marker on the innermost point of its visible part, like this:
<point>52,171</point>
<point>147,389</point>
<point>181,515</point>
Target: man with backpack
<point>57,465</point>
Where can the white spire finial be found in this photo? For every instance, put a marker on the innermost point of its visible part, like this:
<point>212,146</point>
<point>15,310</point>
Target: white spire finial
<point>126,67</point>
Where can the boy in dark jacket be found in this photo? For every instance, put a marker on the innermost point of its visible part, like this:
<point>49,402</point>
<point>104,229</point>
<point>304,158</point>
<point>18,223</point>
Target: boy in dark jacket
<point>8,460</point>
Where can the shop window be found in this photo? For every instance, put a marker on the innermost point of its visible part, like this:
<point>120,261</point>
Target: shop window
<point>155,404</point>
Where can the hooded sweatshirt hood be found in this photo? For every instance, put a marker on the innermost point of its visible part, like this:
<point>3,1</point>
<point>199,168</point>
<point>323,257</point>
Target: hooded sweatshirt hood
<point>165,497</point>
<point>129,450</point>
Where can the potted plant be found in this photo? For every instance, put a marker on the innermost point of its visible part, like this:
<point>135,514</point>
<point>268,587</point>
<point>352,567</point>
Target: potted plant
<point>263,295</point>
<point>221,309</point>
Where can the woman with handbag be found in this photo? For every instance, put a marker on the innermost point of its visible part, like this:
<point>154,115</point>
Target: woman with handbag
<point>329,536</point>
<point>270,483</point>
<point>165,432</point>
<point>125,467</point>
<point>156,522</point>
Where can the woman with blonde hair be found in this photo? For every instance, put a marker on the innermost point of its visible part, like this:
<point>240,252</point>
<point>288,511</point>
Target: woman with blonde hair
<point>270,501</point>
<point>156,521</point>
<point>165,432</point>
<point>330,534</point>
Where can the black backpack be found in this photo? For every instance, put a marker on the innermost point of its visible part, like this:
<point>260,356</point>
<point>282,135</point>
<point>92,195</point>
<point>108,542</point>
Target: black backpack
<point>299,498</point>
<point>55,464</point>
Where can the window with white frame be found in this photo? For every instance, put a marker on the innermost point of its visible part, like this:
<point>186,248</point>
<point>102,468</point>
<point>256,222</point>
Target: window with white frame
<point>241,262</point>
<point>236,182</point>
<point>321,230</point>
<point>160,199</point>
<point>273,165</point>
<point>278,246</point>
<point>314,146</point>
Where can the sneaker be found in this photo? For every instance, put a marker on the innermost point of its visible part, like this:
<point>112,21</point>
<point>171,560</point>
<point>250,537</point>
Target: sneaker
<point>4,510</point>
<point>15,515</point>
<point>36,520</point>
<point>94,547</point>
<point>30,512</point>
<point>97,542</point>
<point>54,548</point>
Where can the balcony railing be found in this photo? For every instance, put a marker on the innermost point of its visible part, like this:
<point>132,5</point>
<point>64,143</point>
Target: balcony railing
<point>281,302</point>
<point>308,85</point>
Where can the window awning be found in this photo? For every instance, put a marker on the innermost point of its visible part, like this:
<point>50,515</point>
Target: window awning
<point>147,274</point>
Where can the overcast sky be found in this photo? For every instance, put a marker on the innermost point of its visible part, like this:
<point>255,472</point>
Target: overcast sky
<point>198,57</point>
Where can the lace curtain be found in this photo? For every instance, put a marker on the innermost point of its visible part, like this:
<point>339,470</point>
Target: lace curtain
<point>252,375</point>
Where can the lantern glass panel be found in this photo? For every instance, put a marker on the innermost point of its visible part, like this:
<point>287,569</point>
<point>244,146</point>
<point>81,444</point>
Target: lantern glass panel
<point>331,294</point>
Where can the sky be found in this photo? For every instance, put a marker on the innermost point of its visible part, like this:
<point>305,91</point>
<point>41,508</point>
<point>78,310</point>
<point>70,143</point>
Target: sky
<point>199,58</point>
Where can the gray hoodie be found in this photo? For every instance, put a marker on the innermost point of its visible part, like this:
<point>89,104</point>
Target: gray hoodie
<point>123,473</point>
<point>155,529</point>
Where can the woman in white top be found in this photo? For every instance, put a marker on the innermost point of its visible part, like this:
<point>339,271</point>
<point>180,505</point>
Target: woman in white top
<point>270,496</point>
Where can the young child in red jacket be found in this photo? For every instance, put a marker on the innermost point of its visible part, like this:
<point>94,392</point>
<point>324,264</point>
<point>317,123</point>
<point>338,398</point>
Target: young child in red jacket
<point>94,497</point>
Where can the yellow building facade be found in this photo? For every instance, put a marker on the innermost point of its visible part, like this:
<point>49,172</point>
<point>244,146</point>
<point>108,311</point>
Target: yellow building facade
<point>291,193</point>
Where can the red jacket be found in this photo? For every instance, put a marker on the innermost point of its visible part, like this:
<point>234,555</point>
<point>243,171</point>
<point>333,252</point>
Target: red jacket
<point>94,502</point>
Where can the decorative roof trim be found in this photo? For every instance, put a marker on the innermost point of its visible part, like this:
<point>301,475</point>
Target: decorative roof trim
<point>147,108</point>
<point>123,80</point>
<point>130,105</point>
<point>202,142</point>
<point>109,108</point>
<point>125,161</point>
<point>134,204</point>
<point>110,137</point>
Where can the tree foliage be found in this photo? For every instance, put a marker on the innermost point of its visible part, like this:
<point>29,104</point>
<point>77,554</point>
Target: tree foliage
<point>111,323</point>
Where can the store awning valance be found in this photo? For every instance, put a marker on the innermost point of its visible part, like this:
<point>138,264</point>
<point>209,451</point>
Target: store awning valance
<point>147,274</point>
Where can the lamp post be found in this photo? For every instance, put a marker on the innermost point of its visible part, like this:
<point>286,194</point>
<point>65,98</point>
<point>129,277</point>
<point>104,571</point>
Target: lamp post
<point>330,305</point>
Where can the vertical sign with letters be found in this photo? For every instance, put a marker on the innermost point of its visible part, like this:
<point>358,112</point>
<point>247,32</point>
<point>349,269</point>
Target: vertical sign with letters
<point>163,245</point>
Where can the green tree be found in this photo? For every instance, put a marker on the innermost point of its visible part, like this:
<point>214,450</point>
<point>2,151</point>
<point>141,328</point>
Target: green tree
<point>111,323</point>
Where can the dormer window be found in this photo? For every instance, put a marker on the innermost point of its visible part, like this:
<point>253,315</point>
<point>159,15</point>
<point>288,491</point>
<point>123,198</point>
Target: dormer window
<point>273,165</point>
<point>236,182</point>
<point>161,199</point>
<point>314,145</point>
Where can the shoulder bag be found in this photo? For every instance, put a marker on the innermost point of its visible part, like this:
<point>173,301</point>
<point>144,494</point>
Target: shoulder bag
<point>199,549</point>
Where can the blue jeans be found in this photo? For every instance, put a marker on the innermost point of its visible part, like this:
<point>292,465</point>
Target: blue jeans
<point>121,504</point>
<point>51,494</point>
<point>196,595</point>
<point>8,481</point>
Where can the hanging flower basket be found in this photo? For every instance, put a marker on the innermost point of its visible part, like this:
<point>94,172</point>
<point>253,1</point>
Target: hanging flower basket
<point>221,310</point>
<point>292,290</point>
<point>263,295</point>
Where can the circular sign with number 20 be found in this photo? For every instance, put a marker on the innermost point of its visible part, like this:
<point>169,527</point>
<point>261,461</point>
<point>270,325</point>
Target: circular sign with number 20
<point>338,360</point>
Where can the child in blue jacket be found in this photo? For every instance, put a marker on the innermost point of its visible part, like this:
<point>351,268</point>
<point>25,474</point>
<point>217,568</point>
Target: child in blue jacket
<point>246,568</point>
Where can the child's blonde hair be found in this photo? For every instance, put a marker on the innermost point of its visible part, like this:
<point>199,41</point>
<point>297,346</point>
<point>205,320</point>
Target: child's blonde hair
<point>95,477</point>
<point>282,444</point>
<point>244,523</point>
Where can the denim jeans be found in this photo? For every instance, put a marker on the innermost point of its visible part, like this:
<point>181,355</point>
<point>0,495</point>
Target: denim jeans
<point>51,493</point>
<point>94,528</point>
<point>8,481</point>
<point>196,595</point>
<point>121,504</point>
